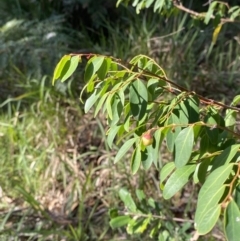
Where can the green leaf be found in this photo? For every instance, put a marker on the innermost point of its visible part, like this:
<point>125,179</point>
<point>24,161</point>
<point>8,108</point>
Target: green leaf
<point>113,213</point>
<point>226,156</point>
<point>183,146</point>
<point>68,70</point>
<point>195,175</point>
<point>92,67</point>
<point>158,5</point>
<point>140,195</point>
<point>119,221</point>
<point>58,70</point>
<point>235,12</point>
<point>232,221</point>
<point>127,122</point>
<point>202,170</point>
<point>91,100</point>
<point>214,119</point>
<point>126,197</point>
<point>104,68</point>
<point>109,107</point>
<point>209,196</point>
<point>117,109</point>
<point>210,216</point>
<point>177,180</point>
<point>147,157</point>
<point>236,100</point>
<point>155,147</point>
<point>210,12</point>
<point>138,225</point>
<point>111,135</point>
<point>173,133</point>
<point>138,98</point>
<point>190,106</point>
<point>124,149</point>
<point>230,118</point>
<point>136,160</point>
<point>154,89</point>
<point>98,93</point>
<point>237,195</point>
<point>100,104</point>
<point>166,171</point>
<point>149,3</point>
<point>91,84</point>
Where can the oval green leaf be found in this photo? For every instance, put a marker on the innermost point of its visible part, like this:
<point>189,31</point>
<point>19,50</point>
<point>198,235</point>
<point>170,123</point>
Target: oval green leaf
<point>136,160</point>
<point>124,149</point>
<point>138,98</point>
<point>111,135</point>
<point>59,68</point>
<point>173,133</point>
<point>166,171</point>
<point>119,221</point>
<point>226,156</point>
<point>68,71</point>
<point>183,146</point>
<point>126,197</point>
<point>232,221</point>
<point>177,180</point>
<point>147,157</point>
<point>209,196</point>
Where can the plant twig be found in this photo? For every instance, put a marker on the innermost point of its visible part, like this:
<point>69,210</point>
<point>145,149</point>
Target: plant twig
<point>180,220</point>
<point>201,98</point>
<point>179,5</point>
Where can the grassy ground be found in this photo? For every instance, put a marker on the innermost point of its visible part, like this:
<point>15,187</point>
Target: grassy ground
<point>57,179</point>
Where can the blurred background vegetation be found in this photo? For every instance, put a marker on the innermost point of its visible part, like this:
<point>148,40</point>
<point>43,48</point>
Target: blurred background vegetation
<point>57,180</point>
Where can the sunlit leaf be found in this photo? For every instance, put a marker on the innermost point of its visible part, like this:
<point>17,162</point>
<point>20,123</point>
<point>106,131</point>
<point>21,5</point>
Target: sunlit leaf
<point>136,160</point>
<point>100,104</point>
<point>124,149</point>
<point>59,67</point>
<point>232,221</point>
<point>237,195</point>
<point>148,3</point>
<point>100,89</point>
<point>119,221</point>
<point>158,5</point>
<point>68,70</point>
<point>226,156</point>
<point>104,68</point>
<point>138,98</point>
<point>126,197</point>
<point>147,157</point>
<point>183,146</point>
<point>202,170</point>
<point>209,196</point>
<point>173,133</point>
<point>112,134</point>
<point>158,138</point>
<point>166,171</point>
<point>117,109</point>
<point>210,216</point>
<point>91,100</point>
<point>177,180</point>
<point>92,67</point>
<point>138,225</point>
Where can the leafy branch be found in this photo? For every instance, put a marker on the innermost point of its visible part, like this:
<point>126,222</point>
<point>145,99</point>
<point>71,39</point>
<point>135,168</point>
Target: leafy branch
<point>201,140</point>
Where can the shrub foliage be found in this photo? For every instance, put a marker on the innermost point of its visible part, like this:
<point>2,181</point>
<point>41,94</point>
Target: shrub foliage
<point>147,112</point>
<point>140,103</point>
